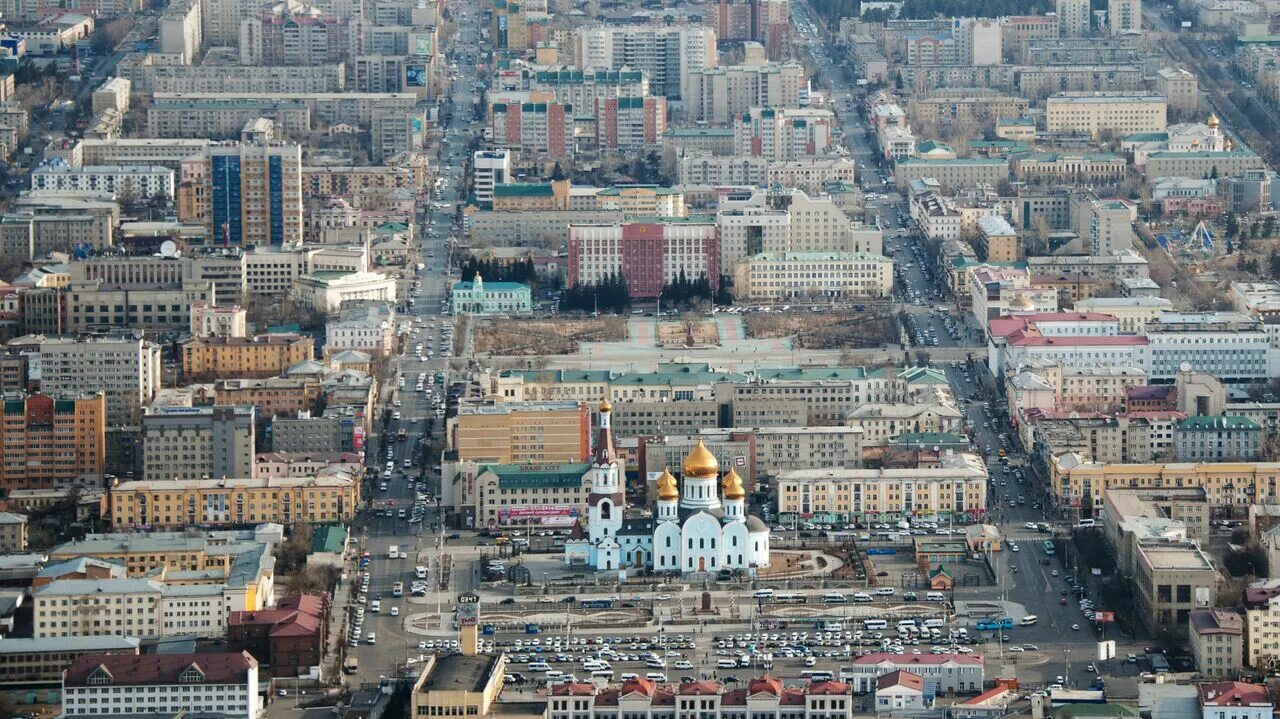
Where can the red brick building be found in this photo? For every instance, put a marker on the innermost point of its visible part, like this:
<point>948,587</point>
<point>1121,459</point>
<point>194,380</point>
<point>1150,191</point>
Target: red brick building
<point>630,123</point>
<point>648,254</point>
<point>290,638</point>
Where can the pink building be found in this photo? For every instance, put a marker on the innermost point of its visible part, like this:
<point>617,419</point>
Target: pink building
<point>540,128</point>
<point>630,123</point>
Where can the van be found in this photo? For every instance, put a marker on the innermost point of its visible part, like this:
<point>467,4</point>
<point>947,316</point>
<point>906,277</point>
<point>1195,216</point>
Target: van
<point>1085,523</point>
<point>727,664</point>
<point>861,597</point>
<point>554,674</point>
<point>935,597</point>
<point>875,624</point>
<point>658,677</point>
<point>372,638</point>
<point>763,594</point>
<point>834,598</point>
<point>606,674</point>
<point>1028,620</point>
<point>654,663</point>
<point>935,623</point>
<point>539,666</point>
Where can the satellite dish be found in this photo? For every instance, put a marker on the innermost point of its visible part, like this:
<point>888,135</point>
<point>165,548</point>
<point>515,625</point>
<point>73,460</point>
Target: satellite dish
<point>168,248</point>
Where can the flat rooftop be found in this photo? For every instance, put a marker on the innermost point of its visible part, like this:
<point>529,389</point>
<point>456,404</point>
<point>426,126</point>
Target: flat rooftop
<point>457,672</point>
<point>1186,557</point>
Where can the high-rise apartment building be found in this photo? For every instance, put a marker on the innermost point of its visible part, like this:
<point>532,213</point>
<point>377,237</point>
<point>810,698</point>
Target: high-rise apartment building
<point>717,94</point>
<point>630,123</point>
<point>246,194</point>
<point>763,21</point>
<point>783,133</point>
<point>1073,18</point>
<point>666,54</point>
<point>1124,16</point>
<point>198,442</point>
<point>126,369</point>
<point>50,443</point>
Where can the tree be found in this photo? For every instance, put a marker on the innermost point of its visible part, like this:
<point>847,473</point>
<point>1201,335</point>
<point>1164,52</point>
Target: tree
<point>557,173</point>
<point>1273,265</point>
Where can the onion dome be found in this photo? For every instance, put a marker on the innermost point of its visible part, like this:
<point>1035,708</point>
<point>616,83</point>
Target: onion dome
<point>668,490</point>
<point>701,462</point>
<point>733,486</point>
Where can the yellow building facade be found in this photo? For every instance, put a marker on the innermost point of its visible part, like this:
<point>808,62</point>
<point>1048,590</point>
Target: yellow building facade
<point>957,488</point>
<point>1079,484</point>
<point>261,356</point>
<point>164,504</point>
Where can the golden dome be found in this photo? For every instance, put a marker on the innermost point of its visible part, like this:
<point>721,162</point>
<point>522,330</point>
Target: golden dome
<point>1213,120</point>
<point>701,462</point>
<point>733,486</point>
<point>606,406</point>
<point>667,488</point>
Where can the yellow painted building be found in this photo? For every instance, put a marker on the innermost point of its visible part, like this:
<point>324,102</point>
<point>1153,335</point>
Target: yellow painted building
<point>164,504</point>
<point>958,487</point>
<point>522,432</point>
<point>458,685</point>
<point>260,356</point>
<point>1078,483</point>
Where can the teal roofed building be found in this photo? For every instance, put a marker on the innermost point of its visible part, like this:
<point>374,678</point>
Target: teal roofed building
<point>1201,438</point>
<point>487,298</point>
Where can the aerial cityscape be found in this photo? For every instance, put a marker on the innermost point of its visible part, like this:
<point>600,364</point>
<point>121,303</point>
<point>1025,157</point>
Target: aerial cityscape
<point>663,359</point>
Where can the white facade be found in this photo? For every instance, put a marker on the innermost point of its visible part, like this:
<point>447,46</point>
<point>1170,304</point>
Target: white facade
<point>722,92</point>
<point>194,609</point>
<point>365,334</point>
<point>780,133</point>
<point>132,181</point>
<point>212,321</point>
<point>959,673</point>
<point>789,221</point>
<point>120,687</point>
<point>1228,345</point>
<point>97,607</point>
<point>667,55</point>
<point>489,168</point>
<point>127,370</point>
<point>690,531</point>
<point>326,292</point>
<point>813,276</point>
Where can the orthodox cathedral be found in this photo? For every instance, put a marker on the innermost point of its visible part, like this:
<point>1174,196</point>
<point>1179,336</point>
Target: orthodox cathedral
<point>705,528</point>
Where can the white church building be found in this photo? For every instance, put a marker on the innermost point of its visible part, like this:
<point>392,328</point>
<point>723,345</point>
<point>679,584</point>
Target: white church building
<point>700,527</point>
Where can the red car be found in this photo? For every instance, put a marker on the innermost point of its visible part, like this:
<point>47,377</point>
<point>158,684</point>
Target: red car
<point>1062,601</point>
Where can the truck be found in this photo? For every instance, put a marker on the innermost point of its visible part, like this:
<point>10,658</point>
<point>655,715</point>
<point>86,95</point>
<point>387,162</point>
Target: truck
<point>393,551</point>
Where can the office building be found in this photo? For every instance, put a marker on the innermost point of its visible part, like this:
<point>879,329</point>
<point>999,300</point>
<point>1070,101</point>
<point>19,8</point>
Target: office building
<point>174,504</point>
<point>812,277</point>
<point>127,371</point>
<point>53,442</point>
<point>209,320</point>
<point>1116,113</point>
<point>997,241</point>
<point>1228,345</point>
<point>582,88</point>
<point>521,432</point>
<point>126,684</point>
<point>788,221</point>
<point>198,442</point>
<point>478,297</point>
<point>259,356</point>
<point>953,490</point>
<point>480,494</point>
<point>649,254</point>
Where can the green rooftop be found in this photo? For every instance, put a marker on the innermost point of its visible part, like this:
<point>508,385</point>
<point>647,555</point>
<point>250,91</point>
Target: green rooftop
<point>1146,137</point>
<point>329,539</point>
<point>522,190</point>
<point>1205,423</point>
<point>930,438</point>
<point>525,476</point>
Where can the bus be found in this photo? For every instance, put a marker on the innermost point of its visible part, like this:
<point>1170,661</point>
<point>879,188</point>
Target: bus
<point>814,675</point>
<point>1048,547</point>
<point>596,604</point>
<point>790,599</point>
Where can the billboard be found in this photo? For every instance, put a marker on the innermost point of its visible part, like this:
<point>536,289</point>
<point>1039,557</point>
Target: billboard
<point>468,610</point>
<point>1106,650</point>
<point>1104,616</point>
<point>549,515</point>
<point>415,75</point>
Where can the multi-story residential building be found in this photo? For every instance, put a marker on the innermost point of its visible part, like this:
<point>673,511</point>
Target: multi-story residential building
<point>1123,437</point>
<point>997,291</point>
<point>13,532</point>
<point>139,182</point>
<point>1180,87</point>
<point>289,637</point>
<point>780,222</point>
<point>522,432</point>
<point>581,88</point>
<point>721,93</point>
<point>278,37</point>
<point>1262,623</point>
<point>175,115</point>
<point>1093,113</point>
<point>882,423</point>
<point>630,124</point>
<point>649,254</point>
<point>997,241</point>
<point>812,276</point>
<point>1074,17</point>
<point>208,320</point>
<point>41,662</point>
<point>181,32</point>
<point>957,174</point>
<point>127,371</point>
<point>668,55</point>
<point>1217,439</point>
<point>224,684</point>
<point>966,106</point>
<point>1230,486</point>
<point>173,504</point>
<point>245,194</point>
<point>259,356</point>
<point>488,169</point>
<point>783,134</point>
<point>95,607</point>
<point>537,128</point>
<point>955,489</point>
<point>763,21</point>
<point>272,396</point>
<point>198,442</point>
<point>1124,17</point>
<point>53,442</point>
<point>1217,642</point>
